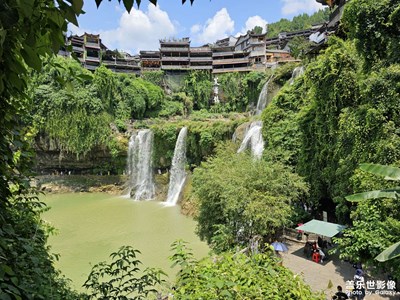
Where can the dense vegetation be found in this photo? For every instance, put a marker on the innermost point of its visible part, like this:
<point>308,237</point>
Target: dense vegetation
<point>236,276</point>
<point>390,218</point>
<point>240,198</point>
<point>77,113</point>
<point>300,22</point>
<point>343,111</point>
<point>81,112</point>
<point>29,31</point>
<point>123,278</point>
<point>203,136</point>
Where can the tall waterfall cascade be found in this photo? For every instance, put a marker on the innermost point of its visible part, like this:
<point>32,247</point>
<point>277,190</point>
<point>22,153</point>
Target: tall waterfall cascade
<point>262,98</point>
<point>140,170</point>
<point>253,140</point>
<point>298,71</point>
<point>177,173</point>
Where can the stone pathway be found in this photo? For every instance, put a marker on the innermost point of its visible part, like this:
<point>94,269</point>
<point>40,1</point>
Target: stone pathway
<point>318,275</point>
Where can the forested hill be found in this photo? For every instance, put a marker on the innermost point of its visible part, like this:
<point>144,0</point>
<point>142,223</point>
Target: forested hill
<point>344,111</point>
<point>303,21</point>
<point>84,122</point>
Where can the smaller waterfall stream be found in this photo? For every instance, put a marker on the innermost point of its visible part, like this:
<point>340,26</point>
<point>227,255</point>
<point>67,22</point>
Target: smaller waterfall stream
<point>140,169</point>
<point>178,173</point>
<point>253,140</point>
<point>262,98</point>
<point>298,71</point>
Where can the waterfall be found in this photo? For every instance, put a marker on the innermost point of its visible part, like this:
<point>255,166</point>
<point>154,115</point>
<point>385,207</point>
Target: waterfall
<point>298,71</point>
<point>234,137</point>
<point>253,140</point>
<point>241,130</point>
<point>262,98</point>
<point>140,169</point>
<point>178,173</point>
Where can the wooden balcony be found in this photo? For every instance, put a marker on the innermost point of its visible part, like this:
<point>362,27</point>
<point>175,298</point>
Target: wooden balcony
<point>77,49</point>
<point>200,50</point>
<point>76,40</point>
<point>93,59</point>
<point>257,53</point>
<point>200,67</point>
<point>92,45</point>
<point>174,58</point>
<point>201,59</point>
<point>145,68</point>
<point>230,53</point>
<point>230,61</point>
<point>272,41</point>
<point>175,67</point>
<point>175,42</point>
<point>174,49</point>
<point>128,64</point>
<point>150,59</point>
<point>228,70</point>
<point>149,54</point>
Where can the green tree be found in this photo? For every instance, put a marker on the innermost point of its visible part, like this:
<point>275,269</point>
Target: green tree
<point>281,131</point>
<point>122,278</point>
<point>77,115</point>
<point>104,81</point>
<point>300,22</point>
<point>376,223</point>
<point>239,198</point>
<point>30,32</point>
<point>236,276</point>
<point>197,84</point>
<point>257,30</point>
<point>299,46</point>
<point>333,85</point>
<point>155,77</point>
<point>374,26</point>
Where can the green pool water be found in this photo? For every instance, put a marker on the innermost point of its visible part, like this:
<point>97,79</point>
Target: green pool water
<point>91,226</point>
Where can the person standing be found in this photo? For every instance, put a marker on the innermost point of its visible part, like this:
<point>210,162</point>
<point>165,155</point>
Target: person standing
<point>359,285</point>
<point>340,295</point>
<point>321,255</point>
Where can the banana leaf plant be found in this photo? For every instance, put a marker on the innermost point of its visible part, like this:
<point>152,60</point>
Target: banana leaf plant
<point>390,173</point>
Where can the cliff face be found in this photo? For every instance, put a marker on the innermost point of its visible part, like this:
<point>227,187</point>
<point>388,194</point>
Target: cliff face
<point>203,136</point>
<point>51,159</point>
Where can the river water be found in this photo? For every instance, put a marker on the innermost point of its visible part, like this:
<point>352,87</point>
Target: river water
<point>92,226</point>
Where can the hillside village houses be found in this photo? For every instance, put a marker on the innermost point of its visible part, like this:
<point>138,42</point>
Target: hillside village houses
<point>245,53</point>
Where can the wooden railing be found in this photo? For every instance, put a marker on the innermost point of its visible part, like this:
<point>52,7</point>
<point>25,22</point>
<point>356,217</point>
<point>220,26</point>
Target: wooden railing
<point>92,45</point>
<point>174,49</point>
<point>230,61</point>
<point>171,58</point>
<point>237,69</point>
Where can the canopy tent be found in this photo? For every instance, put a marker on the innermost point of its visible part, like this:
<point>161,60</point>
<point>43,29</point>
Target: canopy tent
<point>321,228</point>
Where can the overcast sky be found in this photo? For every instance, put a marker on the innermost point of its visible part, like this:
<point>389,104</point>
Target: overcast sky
<point>204,22</point>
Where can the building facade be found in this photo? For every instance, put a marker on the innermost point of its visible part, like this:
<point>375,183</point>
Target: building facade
<point>175,54</point>
<point>245,53</point>
<point>150,60</point>
<point>121,62</point>
<point>91,53</point>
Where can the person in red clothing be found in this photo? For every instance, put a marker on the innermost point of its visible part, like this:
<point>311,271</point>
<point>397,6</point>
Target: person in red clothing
<point>299,232</point>
<point>315,247</point>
